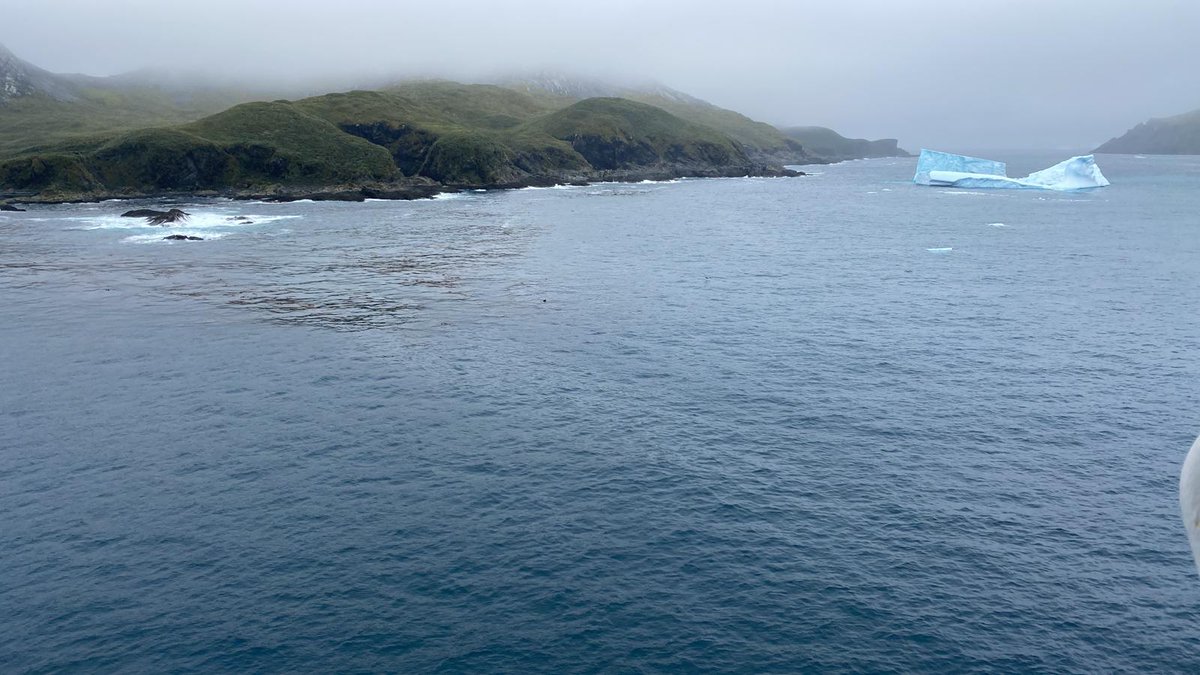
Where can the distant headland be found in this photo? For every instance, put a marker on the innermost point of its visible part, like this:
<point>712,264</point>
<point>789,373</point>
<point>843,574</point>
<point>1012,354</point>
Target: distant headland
<point>1178,135</point>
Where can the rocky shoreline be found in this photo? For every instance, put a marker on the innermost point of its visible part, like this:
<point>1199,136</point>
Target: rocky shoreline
<point>400,190</point>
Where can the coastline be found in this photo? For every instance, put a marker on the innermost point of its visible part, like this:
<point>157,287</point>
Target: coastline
<point>403,190</point>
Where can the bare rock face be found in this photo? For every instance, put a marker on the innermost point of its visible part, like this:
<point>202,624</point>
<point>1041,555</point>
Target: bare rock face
<point>19,78</point>
<point>172,216</point>
<point>182,237</point>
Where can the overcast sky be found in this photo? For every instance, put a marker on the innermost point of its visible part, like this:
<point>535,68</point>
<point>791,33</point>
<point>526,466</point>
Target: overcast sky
<point>1001,74</point>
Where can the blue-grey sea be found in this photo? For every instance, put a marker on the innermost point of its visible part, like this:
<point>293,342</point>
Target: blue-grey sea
<point>831,423</point>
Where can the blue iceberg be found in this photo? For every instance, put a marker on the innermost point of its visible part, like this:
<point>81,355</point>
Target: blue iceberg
<point>947,170</point>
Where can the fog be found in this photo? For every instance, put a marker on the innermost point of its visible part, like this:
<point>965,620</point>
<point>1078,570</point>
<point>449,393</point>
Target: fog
<point>1067,74</point>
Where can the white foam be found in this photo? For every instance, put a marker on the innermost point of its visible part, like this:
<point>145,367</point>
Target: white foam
<point>941,249</point>
<point>557,186</point>
<point>197,220</point>
<point>160,237</point>
<point>997,225</point>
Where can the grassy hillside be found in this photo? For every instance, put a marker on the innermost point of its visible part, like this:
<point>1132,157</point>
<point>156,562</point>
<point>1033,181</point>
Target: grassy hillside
<point>251,145</point>
<point>1178,135</point>
<point>279,141</point>
<point>450,132</point>
<point>446,132</point>
<point>40,121</point>
<point>758,138</point>
<point>612,133</point>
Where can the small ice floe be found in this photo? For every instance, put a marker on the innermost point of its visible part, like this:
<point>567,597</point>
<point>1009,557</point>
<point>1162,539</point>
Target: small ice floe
<point>940,249</point>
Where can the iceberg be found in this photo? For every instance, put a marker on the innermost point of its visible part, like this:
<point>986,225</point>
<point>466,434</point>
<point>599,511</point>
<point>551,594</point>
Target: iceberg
<point>932,160</point>
<point>944,169</point>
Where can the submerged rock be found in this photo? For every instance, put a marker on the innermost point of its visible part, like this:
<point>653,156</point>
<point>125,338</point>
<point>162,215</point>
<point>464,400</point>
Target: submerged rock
<point>9,207</point>
<point>182,237</point>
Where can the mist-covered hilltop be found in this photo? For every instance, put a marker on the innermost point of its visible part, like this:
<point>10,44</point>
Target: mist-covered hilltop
<point>761,140</point>
<point>1178,135</point>
<point>39,108</point>
<point>77,137</point>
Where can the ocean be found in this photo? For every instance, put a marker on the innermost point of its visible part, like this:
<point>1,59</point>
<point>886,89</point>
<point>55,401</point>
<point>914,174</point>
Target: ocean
<point>830,423</point>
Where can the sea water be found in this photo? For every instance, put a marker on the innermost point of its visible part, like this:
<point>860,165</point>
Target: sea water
<point>837,422</point>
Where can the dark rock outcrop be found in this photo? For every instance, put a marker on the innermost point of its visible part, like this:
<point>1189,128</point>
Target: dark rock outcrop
<point>9,207</point>
<point>157,217</point>
<point>182,237</point>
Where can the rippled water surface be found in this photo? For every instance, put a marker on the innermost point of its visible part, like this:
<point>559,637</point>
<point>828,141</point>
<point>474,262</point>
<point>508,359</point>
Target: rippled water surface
<point>838,422</point>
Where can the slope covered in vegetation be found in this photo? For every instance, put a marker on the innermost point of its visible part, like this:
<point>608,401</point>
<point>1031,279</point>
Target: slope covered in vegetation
<point>419,133</point>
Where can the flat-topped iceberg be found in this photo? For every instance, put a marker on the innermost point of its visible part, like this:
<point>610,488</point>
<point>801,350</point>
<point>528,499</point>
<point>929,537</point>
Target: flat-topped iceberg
<point>948,170</point>
<point>932,160</point>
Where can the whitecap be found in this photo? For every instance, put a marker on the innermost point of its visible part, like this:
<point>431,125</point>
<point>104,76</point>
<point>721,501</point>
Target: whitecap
<point>556,186</point>
<point>160,237</point>
<point>197,220</point>
<point>940,249</point>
